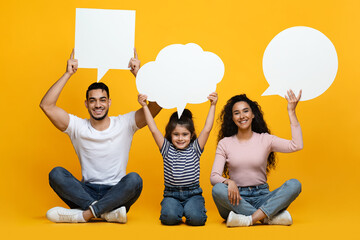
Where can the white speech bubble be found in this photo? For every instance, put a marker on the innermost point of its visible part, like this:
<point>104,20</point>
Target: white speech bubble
<point>300,58</point>
<point>104,39</point>
<point>180,74</point>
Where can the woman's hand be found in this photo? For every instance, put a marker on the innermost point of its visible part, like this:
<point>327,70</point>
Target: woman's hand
<point>142,99</point>
<point>233,192</point>
<point>292,100</point>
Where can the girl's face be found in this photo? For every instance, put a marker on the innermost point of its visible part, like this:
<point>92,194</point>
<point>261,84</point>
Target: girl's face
<point>180,137</point>
<point>242,115</point>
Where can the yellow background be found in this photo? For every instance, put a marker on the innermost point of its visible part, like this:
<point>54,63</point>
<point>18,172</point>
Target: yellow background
<point>37,38</point>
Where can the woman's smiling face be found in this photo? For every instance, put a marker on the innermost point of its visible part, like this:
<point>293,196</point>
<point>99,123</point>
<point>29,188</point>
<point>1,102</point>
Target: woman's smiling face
<point>242,115</point>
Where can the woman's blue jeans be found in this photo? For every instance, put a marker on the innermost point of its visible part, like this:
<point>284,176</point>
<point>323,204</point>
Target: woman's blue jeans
<point>183,201</point>
<point>101,198</point>
<point>258,197</point>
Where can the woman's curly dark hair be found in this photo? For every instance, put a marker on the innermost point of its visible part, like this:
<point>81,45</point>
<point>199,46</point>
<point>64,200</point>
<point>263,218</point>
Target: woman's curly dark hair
<point>228,127</point>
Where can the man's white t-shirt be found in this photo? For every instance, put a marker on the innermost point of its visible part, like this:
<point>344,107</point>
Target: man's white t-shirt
<point>104,154</point>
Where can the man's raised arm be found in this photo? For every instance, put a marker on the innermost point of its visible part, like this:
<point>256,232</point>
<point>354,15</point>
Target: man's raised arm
<point>154,108</point>
<point>58,116</point>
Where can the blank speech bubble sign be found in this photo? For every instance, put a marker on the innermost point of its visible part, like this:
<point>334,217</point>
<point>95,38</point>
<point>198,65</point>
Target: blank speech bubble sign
<point>180,74</point>
<point>300,58</point>
<point>104,39</point>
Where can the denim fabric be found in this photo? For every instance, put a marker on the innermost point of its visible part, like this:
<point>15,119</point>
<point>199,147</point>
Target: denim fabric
<point>258,197</point>
<point>81,195</point>
<point>183,201</point>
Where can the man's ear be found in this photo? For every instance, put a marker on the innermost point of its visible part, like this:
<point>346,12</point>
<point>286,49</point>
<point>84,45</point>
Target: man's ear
<point>109,102</point>
<point>86,104</point>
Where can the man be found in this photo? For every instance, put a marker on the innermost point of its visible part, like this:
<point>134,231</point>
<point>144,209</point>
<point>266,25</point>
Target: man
<point>102,144</point>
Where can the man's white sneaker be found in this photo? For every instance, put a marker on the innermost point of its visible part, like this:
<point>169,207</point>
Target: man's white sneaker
<point>283,218</point>
<point>117,215</point>
<point>238,220</point>
<point>64,215</point>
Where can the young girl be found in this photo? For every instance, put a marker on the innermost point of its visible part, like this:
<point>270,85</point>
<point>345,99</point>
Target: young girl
<point>181,152</point>
<point>245,153</point>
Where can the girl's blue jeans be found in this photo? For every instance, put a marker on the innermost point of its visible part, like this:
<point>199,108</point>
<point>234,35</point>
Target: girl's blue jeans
<point>183,201</point>
<point>257,197</point>
<point>101,198</point>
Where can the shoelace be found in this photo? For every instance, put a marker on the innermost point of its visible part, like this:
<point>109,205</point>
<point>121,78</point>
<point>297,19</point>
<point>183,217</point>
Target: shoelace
<point>66,216</point>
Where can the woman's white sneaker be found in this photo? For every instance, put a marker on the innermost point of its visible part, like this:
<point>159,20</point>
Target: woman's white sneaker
<point>238,220</point>
<point>283,218</point>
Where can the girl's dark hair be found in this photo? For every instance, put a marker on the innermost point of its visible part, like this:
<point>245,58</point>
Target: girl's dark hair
<point>228,127</point>
<point>185,120</point>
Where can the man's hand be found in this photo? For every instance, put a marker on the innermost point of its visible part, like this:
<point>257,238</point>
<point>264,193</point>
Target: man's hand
<point>72,64</point>
<point>134,64</point>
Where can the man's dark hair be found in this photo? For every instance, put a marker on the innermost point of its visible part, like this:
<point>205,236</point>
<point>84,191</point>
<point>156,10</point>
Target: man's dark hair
<point>97,85</point>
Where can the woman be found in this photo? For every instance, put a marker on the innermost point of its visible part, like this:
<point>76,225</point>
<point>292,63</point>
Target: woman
<point>244,155</point>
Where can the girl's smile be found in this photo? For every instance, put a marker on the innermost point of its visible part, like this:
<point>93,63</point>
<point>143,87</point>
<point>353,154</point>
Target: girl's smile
<point>180,137</point>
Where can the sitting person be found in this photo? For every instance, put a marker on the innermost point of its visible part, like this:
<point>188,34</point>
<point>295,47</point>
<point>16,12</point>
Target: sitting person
<point>102,144</point>
<point>245,154</point>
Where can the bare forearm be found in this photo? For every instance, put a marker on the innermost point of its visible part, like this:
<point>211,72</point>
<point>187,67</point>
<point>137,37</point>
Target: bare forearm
<point>52,95</point>
<point>210,119</point>
<point>158,137</point>
<point>149,119</point>
<point>154,108</point>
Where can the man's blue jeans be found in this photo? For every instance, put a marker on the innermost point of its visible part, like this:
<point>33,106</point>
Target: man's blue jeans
<point>102,198</point>
<point>183,201</point>
<point>258,197</point>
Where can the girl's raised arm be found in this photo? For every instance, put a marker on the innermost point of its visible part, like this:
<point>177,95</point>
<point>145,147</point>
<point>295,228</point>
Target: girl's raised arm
<point>159,138</point>
<point>204,135</point>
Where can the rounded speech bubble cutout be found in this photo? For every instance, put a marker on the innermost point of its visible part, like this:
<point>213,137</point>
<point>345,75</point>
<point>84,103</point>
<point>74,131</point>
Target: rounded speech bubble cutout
<point>300,58</point>
<point>180,74</point>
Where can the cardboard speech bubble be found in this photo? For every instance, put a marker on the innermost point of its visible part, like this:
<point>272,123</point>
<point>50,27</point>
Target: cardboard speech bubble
<point>180,74</point>
<point>104,39</point>
<point>300,58</point>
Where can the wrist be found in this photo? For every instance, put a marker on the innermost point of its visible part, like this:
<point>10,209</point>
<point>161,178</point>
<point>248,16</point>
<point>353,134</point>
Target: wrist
<point>67,74</point>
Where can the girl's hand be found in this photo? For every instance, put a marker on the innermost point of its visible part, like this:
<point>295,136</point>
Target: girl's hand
<point>292,100</point>
<point>233,192</point>
<point>134,64</point>
<point>142,99</point>
<point>213,97</point>
<point>72,64</point>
